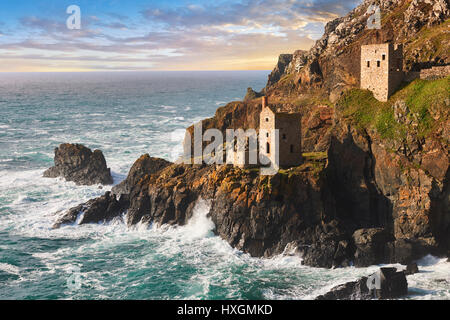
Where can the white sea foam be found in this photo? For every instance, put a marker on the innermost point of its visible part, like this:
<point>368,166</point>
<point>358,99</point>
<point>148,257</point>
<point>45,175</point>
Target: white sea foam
<point>117,261</point>
<point>200,225</point>
<point>9,268</point>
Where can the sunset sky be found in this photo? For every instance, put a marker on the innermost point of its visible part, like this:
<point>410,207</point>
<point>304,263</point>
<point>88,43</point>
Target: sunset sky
<point>140,35</point>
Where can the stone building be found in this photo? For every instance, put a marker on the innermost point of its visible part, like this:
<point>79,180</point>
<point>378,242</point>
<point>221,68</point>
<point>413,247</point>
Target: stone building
<point>381,69</point>
<point>289,139</point>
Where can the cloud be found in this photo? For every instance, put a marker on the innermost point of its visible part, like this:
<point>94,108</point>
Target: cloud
<point>218,35</point>
<point>114,25</point>
<point>283,13</point>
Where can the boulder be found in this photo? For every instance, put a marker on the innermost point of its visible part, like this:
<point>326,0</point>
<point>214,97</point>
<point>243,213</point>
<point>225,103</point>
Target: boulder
<point>387,283</point>
<point>79,164</point>
<point>328,246</point>
<point>371,246</point>
<point>393,283</point>
<point>411,269</point>
<point>354,290</point>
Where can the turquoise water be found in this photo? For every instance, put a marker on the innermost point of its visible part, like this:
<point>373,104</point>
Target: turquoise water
<point>126,115</point>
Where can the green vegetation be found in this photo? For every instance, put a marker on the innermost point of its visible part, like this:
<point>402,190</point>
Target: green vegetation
<point>420,97</point>
<point>312,100</point>
<point>286,78</point>
<point>313,164</point>
<point>360,106</point>
<point>315,156</point>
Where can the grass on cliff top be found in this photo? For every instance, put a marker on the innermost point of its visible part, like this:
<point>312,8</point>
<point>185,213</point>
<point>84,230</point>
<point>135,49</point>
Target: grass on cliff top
<point>420,96</point>
<point>313,162</point>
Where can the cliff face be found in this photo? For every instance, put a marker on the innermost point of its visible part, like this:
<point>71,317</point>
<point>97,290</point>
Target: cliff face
<point>388,168</point>
<point>306,80</point>
<point>332,64</point>
<point>377,193</point>
<point>375,188</point>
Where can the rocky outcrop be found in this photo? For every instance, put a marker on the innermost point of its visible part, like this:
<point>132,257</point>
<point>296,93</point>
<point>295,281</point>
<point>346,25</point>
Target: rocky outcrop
<point>371,246</point>
<point>252,94</point>
<point>299,60</point>
<point>100,209</point>
<point>353,290</point>
<point>332,64</point>
<point>390,282</point>
<point>283,61</point>
<point>79,164</point>
<point>120,200</point>
<point>374,199</point>
<point>411,268</point>
<point>249,210</point>
<point>393,204</point>
<point>145,165</point>
<point>422,13</point>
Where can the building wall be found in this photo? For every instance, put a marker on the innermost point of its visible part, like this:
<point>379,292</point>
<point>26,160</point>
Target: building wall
<point>396,74</point>
<point>435,73</point>
<point>289,126</point>
<point>375,76</point>
<point>266,122</point>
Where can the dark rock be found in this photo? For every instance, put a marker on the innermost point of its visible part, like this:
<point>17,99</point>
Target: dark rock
<point>131,194</point>
<point>354,290</point>
<point>79,164</point>
<point>372,190</point>
<point>386,283</point>
<point>393,284</point>
<point>283,62</point>
<point>371,246</point>
<point>406,251</point>
<point>411,268</point>
<point>103,208</point>
<point>252,94</point>
<point>329,247</point>
<point>145,165</point>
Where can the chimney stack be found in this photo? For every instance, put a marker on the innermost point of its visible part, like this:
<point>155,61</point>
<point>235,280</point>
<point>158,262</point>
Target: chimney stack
<point>264,102</point>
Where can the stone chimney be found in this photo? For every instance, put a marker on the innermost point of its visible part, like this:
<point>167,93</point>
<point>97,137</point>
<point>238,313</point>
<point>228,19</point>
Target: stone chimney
<point>264,102</point>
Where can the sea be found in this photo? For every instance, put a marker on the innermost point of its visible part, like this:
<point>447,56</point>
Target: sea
<point>127,114</point>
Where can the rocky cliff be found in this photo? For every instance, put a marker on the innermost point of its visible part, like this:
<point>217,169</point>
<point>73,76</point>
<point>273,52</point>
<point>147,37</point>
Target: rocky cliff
<point>305,80</point>
<point>374,185</point>
<point>390,177</point>
<point>332,64</point>
<point>79,164</point>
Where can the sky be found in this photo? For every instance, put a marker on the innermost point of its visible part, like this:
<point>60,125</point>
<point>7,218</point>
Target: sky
<point>138,35</point>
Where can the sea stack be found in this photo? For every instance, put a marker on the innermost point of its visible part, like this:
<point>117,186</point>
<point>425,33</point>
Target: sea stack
<point>80,164</point>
